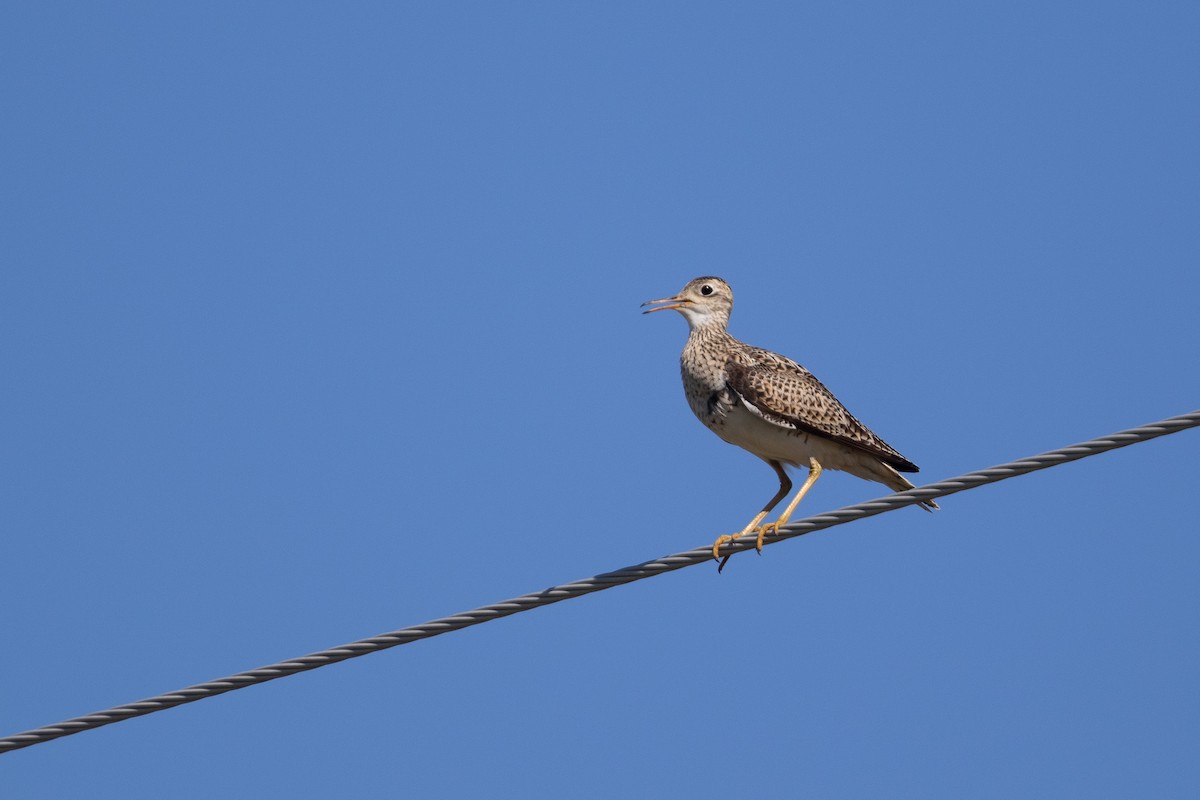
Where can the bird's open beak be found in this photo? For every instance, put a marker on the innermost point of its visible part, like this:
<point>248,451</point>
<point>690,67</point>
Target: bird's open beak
<point>673,302</point>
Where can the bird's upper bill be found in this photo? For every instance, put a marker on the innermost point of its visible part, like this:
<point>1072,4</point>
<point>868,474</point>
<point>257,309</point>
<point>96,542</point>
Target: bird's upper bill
<point>675,302</point>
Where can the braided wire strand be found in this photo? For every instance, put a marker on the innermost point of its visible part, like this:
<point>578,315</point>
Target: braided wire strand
<point>596,583</point>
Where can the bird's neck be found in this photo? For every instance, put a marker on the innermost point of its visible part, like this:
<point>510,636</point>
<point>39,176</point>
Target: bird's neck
<point>703,364</point>
<point>709,332</point>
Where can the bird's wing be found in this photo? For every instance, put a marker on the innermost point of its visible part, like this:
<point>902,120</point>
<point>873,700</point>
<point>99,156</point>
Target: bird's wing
<point>786,394</point>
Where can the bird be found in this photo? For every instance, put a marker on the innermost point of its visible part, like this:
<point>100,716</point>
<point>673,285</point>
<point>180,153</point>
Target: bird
<point>772,407</point>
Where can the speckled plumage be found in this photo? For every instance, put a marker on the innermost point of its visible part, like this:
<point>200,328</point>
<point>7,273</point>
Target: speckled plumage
<point>769,404</point>
<point>783,392</point>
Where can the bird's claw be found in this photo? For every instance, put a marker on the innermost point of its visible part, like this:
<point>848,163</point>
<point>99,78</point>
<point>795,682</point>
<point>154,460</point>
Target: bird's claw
<point>717,545</point>
<point>762,530</point>
<point>771,528</point>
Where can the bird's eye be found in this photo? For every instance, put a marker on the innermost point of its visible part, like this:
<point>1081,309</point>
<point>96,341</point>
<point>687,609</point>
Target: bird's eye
<point>706,290</point>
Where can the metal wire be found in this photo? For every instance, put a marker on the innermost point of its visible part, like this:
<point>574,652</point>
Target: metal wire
<point>596,583</point>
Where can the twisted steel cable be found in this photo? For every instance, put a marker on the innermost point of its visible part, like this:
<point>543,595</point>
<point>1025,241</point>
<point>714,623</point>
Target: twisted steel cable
<point>596,583</point>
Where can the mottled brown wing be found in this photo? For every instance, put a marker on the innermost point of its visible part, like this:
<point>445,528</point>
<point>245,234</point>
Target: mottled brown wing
<point>786,394</point>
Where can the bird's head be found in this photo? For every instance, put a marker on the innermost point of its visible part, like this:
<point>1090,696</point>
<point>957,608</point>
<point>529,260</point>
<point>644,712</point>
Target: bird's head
<point>703,302</point>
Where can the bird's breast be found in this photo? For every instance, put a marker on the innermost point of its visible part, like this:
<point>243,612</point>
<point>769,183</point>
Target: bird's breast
<point>709,400</point>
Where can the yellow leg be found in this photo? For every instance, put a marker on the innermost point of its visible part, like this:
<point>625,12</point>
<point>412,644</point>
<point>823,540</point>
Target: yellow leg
<point>785,486</point>
<point>814,472</point>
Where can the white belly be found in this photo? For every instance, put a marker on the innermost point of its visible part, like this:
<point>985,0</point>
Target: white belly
<point>747,430</point>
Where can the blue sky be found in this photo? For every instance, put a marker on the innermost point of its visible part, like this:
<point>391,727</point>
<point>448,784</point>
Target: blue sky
<point>322,320</point>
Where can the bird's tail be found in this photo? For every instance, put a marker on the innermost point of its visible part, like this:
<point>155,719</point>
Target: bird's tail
<point>892,479</point>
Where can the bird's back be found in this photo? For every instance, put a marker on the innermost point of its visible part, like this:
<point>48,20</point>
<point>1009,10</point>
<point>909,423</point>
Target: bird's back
<point>719,372</point>
<point>787,394</point>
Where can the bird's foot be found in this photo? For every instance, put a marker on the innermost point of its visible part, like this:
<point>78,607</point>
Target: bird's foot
<point>762,530</point>
<point>751,528</point>
<point>720,541</point>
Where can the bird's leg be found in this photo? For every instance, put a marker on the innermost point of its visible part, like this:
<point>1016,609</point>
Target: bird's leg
<point>814,472</point>
<point>785,486</point>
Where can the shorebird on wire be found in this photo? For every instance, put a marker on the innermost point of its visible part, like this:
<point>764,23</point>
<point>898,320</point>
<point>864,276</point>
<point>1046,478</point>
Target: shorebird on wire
<point>771,406</point>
